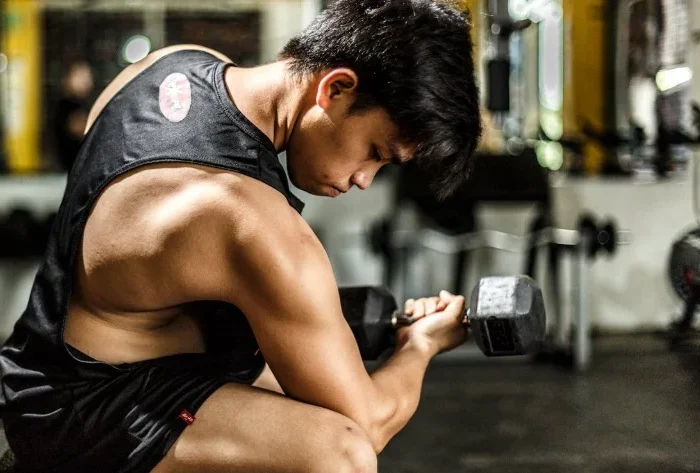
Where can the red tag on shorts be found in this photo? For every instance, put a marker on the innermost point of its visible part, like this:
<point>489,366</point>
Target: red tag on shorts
<point>186,417</point>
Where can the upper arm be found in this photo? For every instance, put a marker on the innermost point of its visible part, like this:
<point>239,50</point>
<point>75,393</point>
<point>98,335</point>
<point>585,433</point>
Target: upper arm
<point>286,288</point>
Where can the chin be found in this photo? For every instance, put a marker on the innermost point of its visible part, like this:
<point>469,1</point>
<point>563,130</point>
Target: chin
<point>317,190</point>
<point>320,192</point>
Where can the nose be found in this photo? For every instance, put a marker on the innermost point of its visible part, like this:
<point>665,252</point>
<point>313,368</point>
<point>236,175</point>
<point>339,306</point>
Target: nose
<point>364,176</point>
<point>362,179</point>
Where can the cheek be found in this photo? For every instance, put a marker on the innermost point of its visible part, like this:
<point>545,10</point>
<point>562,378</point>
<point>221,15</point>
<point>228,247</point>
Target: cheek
<point>309,136</point>
<point>324,150</point>
<point>304,158</point>
<point>352,153</point>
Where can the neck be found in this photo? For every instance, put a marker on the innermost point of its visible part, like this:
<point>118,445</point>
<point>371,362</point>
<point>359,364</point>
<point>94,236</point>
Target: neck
<point>269,98</point>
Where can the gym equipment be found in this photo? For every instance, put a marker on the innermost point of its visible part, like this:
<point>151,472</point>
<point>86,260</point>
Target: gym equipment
<point>684,272</point>
<point>18,234</point>
<point>590,239</point>
<point>498,69</point>
<point>684,266</point>
<point>601,237</point>
<point>506,315</point>
<point>23,234</point>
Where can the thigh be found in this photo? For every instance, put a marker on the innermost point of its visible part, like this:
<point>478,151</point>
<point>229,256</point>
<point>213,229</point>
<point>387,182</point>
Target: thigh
<point>241,428</point>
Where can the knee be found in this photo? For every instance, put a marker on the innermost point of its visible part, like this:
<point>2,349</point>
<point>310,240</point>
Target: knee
<point>347,450</point>
<point>357,450</point>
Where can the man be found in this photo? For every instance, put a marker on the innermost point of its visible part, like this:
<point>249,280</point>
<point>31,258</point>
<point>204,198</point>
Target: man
<point>179,271</point>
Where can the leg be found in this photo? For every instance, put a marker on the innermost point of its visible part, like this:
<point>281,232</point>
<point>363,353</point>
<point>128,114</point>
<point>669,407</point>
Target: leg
<point>245,429</point>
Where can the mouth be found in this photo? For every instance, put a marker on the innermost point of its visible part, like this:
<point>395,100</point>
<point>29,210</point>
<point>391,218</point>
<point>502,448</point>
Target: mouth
<point>334,191</point>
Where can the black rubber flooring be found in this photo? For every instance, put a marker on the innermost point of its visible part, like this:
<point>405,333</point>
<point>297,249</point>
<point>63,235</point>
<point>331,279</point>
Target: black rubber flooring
<point>636,410</point>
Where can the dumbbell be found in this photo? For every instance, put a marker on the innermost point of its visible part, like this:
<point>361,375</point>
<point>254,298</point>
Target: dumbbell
<point>506,316</point>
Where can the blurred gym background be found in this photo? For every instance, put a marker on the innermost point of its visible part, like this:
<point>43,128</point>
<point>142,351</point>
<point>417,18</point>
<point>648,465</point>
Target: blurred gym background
<point>586,180</point>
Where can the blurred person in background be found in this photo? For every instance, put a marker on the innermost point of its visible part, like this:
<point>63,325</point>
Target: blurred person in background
<point>71,114</point>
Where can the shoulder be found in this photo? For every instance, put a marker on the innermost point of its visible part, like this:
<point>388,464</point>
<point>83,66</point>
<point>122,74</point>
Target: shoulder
<point>184,47</point>
<point>261,210</point>
<point>246,233</point>
<point>213,232</point>
<point>130,72</point>
<point>273,259</point>
<point>242,210</point>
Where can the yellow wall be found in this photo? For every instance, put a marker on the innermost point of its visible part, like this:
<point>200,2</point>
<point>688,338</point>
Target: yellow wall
<point>474,7</point>
<point>23,84</point>
<point>585,56</point>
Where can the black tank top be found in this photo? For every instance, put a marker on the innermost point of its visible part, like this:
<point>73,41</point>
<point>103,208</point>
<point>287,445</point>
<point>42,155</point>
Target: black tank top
<point>176,110</point>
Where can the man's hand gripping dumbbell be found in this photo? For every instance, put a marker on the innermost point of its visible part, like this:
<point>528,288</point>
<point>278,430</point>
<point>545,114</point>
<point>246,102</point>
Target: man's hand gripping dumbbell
<point>506,316</point>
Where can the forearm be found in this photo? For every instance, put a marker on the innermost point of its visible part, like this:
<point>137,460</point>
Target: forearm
<point>398,383</point>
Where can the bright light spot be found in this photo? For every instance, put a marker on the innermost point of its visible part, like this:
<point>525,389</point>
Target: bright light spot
<point>550,154</point>
<point>518,10</point>
<point>556,157</point>
<point>3,63</point>
<point>667,79</point>
<point>551,123</point>
<point>533,10</point>
<point>136,48</point>
<point>540,151</point>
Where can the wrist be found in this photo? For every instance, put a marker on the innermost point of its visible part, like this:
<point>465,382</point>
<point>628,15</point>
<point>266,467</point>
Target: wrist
<point>419,343</point>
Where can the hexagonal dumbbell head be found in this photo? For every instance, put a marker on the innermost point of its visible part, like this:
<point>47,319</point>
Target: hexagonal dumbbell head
<point>369,312</point>
<point>506,315</point>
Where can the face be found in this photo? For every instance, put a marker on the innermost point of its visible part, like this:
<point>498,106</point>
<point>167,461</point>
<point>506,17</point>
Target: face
<point>330,150</point>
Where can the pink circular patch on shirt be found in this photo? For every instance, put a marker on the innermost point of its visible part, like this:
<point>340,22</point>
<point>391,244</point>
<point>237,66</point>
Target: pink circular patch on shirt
<point>175,97</point>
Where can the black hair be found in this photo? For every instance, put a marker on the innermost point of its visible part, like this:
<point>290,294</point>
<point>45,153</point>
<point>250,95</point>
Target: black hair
<point>413,58</point>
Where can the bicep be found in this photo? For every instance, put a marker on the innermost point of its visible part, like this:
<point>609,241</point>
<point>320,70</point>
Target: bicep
<point>291,300</point>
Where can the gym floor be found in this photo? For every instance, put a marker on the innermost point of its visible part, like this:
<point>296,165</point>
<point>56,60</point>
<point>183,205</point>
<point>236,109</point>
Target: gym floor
<point>636,410</point>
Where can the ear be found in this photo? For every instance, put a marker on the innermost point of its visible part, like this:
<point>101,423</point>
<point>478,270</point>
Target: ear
<point>336,86</point>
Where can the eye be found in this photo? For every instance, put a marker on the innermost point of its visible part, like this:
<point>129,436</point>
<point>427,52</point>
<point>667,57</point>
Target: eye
<point>375,154</point>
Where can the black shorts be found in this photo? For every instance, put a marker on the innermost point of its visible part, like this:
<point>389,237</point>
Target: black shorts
<point>124,423</point>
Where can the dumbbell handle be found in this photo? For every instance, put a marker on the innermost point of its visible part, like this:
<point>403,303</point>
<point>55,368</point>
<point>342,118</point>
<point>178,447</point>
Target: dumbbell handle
<point>399,319</point>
